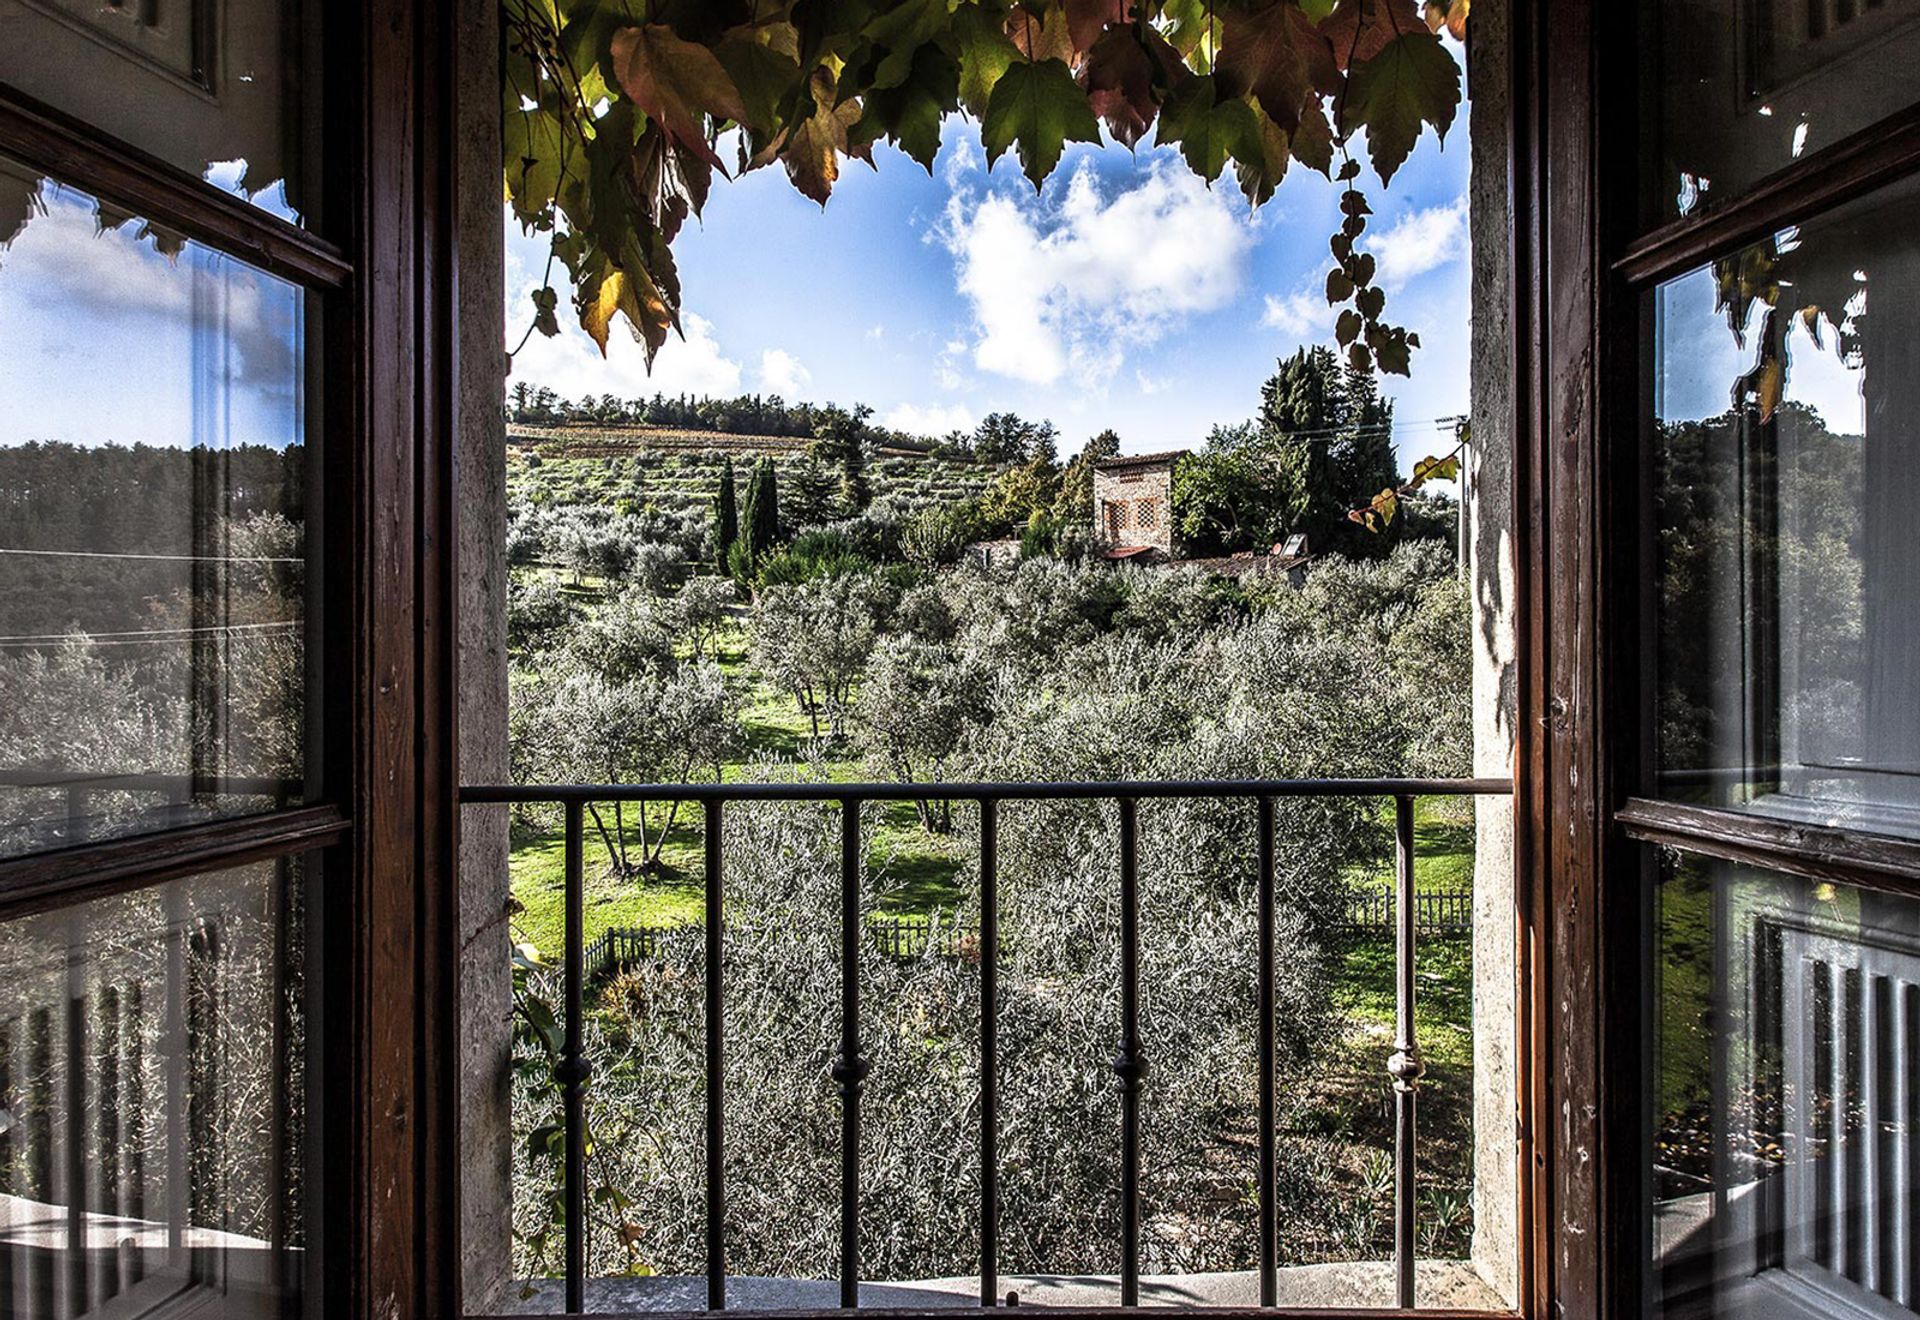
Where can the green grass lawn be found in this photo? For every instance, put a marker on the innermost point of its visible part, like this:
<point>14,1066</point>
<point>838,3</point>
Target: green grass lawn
<point>1442,848</point>
<point>916,868</point>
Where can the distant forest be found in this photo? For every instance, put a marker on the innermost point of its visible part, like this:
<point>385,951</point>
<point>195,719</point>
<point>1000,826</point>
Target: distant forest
<point>64,506</point>
<point>745,414</point>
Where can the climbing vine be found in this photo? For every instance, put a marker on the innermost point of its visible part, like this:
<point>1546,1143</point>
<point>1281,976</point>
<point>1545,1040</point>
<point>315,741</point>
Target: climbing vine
<point>620,112</point>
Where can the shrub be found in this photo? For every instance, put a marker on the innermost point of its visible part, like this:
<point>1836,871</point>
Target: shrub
<point>657,567</point>
<point>538,612</point>
<point>819,553</point>
<point>937,535</point>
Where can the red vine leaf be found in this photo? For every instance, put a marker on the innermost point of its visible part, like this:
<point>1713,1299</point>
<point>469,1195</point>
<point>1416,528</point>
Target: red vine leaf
<point>676,83</point>
<point>1118,78</point>
<point>814,147</point>
<point>1043,36</point>
<point>1358,30</point>
<point>1278,56</point>
<point>1087,20</point>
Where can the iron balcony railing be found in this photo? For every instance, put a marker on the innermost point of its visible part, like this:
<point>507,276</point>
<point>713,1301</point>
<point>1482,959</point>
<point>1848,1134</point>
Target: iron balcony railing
<point>850,1066</point>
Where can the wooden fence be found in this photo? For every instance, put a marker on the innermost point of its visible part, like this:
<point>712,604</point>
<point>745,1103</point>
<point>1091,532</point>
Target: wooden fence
<point>1443,915</point>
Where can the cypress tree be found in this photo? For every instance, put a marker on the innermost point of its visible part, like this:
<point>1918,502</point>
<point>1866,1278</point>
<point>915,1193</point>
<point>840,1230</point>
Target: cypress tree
<point>726,514</point>
<point>763,510</point>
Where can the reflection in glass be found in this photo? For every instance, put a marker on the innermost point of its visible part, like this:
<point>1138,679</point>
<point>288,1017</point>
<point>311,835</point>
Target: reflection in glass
<point>153,485</point>
<point>1786,427</point>
<point>228,92</point>
<point>1741,88</point>
<point>154,1108</point>
<point>1785,1119</point>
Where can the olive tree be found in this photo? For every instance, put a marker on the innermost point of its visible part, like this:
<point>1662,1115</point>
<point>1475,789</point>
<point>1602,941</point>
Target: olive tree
<point>701,610</point>
<point>674,727</point>
<point>917,704</point>
<point>657,567</point>
<point>812,640</point>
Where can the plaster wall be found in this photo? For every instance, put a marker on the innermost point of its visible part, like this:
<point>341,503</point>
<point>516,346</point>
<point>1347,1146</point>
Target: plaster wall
<point>1489,539</point>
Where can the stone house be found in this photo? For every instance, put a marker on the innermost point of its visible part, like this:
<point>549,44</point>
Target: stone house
<point>1133,505</point>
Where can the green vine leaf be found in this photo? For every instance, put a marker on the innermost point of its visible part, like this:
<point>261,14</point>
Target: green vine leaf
<point>1260,173</point>
<point>910,114</point>
<point>901,33</point>
<point>1036,109</point>
<point>1209,128</point>
<point>1412,80</point>
<point>986,53</point>
<point>762,72</point>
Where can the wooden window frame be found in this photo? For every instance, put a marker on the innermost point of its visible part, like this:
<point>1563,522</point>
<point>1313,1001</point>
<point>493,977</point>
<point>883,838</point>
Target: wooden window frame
<point>383,818</point>
<point>1579,269</point>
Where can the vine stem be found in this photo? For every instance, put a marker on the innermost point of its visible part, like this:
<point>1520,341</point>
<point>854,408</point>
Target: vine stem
<point>547,39</point>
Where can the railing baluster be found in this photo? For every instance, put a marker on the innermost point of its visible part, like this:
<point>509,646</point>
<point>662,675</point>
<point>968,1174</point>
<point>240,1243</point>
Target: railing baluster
<point>1269,1225</point>
<point>850,1069</point>
<point>572,1071</point>
<point>1128,1064</point>
<point>716,1072</point>
<point>989,1052</point>
<point>903,938</point>
<point>1405,1066</point>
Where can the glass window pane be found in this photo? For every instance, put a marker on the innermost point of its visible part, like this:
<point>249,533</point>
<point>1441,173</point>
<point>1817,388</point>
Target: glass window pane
<point>1741,88</point>
<point>154,1102</point>
<point>226,91</point>
<point>153,544</point>
<point>1784,1128</point>
<point>1786,404</point>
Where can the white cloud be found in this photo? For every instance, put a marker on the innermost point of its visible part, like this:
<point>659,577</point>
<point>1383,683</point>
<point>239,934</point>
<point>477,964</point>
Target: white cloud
<point>570,362</point>
<point>784,374</point>
<point>947,371</point>
<point>1151,384</point>
<point>1071,288</point>
<point>1299,315</point>
<point>963,158</point>
<point>933,419</point>
<point>1419,241</point>
<point>203,349</point>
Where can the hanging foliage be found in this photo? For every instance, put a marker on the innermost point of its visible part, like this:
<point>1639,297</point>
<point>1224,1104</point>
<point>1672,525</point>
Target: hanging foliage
<point>619,112</point>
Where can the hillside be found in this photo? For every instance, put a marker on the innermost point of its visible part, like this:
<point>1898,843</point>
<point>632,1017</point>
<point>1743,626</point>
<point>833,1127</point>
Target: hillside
<point>677,469</point>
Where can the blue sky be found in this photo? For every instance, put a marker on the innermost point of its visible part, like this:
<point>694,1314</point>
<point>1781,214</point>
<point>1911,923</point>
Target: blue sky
<point>108,340</point>
<point>1127,294</point>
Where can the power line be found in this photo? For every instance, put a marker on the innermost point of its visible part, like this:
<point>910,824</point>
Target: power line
<point>172,559</point>
<point>1438,426</point>
<point>82,635</point>
<point>10,644</point>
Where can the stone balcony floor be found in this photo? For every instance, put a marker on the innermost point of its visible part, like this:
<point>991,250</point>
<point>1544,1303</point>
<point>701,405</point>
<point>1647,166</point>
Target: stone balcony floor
<point>1437,1283</point>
